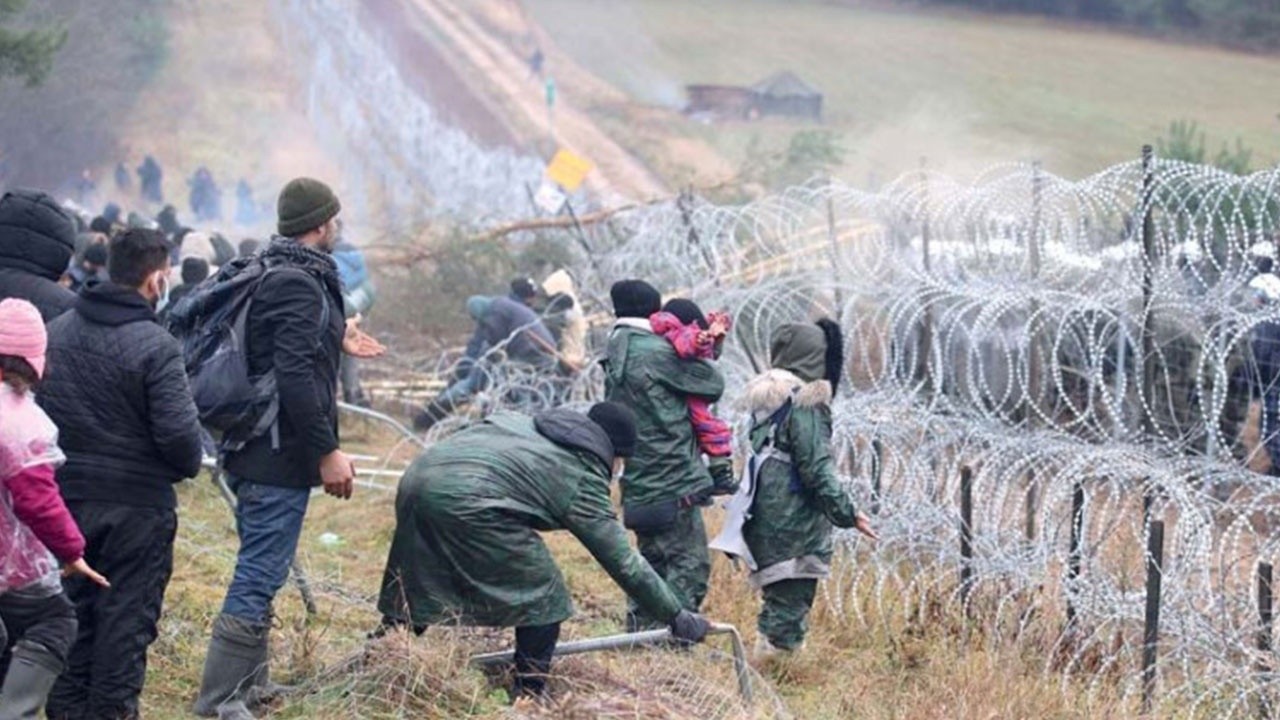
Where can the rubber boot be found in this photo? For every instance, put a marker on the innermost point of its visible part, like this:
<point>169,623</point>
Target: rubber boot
<point>237,654</point>
<point>32,672</point>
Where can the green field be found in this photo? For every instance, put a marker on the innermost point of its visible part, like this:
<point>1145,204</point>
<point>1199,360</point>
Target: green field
<point>964,90</point>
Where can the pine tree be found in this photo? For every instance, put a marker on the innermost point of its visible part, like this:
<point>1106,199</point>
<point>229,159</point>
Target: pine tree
<point>27,53</point>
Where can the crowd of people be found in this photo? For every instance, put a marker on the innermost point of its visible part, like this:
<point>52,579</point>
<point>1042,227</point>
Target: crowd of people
<point>102,402</point>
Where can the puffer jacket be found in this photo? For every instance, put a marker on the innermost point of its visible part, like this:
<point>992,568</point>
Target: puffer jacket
<point>37,239</point>
<point>288,334</point>
<point>797,501</point>
<point>643,372</point>
<point>117,389</point>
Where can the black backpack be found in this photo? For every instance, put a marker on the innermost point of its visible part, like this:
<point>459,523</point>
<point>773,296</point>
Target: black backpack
<point>211,323</point>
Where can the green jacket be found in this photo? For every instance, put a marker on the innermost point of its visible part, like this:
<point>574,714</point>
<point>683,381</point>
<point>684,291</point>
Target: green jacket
<point>797,502</point>
<point>643,372</point>
<point>466,548</point>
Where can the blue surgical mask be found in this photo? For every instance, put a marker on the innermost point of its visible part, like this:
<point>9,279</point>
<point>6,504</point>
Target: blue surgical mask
<point>162,302</point>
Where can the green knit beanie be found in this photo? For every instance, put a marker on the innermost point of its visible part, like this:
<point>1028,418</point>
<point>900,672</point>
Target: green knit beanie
<point>305,204</point>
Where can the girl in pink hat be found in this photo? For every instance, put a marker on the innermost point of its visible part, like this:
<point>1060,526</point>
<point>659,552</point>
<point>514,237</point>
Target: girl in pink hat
<point>36,532</point>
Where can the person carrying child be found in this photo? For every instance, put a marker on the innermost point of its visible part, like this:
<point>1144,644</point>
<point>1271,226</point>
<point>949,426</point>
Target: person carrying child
<point>695,336</point>
<point>37,621</point>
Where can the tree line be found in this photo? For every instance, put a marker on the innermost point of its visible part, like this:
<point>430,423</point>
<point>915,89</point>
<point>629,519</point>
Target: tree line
<point>1244,24</point>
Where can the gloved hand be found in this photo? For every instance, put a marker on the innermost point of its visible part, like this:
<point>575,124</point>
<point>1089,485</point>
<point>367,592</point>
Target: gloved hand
<point>689,627</point>
<point>722,478</point>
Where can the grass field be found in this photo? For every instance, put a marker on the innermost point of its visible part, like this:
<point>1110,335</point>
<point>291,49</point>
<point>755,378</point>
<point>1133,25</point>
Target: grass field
<point>880,667</point>
<point>964,90</point>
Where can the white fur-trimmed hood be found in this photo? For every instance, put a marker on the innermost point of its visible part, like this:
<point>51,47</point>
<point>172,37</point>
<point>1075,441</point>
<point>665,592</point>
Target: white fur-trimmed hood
<point>768,391</point>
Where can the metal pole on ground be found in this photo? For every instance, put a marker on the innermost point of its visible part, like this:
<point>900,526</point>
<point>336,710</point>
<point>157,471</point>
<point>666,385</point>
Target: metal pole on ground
<point>633,641</point>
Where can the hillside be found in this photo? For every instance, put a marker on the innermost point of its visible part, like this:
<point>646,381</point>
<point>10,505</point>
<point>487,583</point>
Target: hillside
<point>965,90</point>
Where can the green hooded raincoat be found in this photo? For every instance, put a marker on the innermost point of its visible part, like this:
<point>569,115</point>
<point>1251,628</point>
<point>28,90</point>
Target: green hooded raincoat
<point>466,548</point>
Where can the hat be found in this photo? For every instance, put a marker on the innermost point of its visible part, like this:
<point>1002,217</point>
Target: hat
<point>619,423</point>
<point>194,270</point>
<point>812,352</point>
<point>478,306</point>
<point>524,288</point>
<point>305,204</point>
<point>635,299</point>
<point>22,333</point>
<point>686,311</point>
<point>559,282</point>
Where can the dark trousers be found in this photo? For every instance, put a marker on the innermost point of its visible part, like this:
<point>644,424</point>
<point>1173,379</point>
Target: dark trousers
<point>535,646</point>
<point>784,617</point>
<point>679,555</point>
<point>47,621</point>
<point>132,547</point>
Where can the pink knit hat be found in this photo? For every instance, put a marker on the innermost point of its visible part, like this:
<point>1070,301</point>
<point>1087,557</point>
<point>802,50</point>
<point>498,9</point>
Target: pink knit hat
<point>22,332</point>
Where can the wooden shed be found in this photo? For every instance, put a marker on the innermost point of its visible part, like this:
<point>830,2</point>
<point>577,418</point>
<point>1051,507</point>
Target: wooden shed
<point>786,95</point>
<point>780,95</point>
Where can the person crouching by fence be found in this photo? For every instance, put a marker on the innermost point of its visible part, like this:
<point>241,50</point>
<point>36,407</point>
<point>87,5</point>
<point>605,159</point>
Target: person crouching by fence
<point>37,621</point>
<point>785,511</point>
<point>466,548</point>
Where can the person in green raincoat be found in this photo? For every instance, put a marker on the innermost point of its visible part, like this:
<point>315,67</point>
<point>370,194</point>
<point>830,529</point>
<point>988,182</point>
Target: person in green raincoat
<point>666,483</point>
<point>466,549</point>
<point>796,498</point>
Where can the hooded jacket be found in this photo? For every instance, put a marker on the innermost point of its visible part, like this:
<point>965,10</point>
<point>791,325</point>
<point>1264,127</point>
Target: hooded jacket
<point>468,512</point>
<point>643,372</point>
<point>117,389</point>
<point>37,239</point>
<point>796,503</point>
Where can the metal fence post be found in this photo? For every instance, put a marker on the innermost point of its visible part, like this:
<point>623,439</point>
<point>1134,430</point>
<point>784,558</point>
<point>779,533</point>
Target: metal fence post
<point>1151,624</point>
<point>1076,553</point>
<point>1265,623</point>
<point>966,532</point>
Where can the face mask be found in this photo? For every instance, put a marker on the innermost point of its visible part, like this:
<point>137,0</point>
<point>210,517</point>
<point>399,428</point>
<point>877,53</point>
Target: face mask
<point>162,302</point>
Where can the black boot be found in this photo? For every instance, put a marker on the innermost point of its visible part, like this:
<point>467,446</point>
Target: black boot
<point>433,413</point>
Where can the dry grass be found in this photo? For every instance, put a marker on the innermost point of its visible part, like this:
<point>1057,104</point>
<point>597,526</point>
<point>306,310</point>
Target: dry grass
<point>963,89</point>
<point>896,664</point>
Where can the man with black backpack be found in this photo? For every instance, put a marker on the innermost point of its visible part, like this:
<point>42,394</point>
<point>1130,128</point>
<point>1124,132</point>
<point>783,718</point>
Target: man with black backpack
<point>293,332</point>
<point>117,391</point>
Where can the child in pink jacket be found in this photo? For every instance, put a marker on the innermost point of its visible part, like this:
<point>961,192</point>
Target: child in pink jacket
<point>37,621</point>
<point>698,337</point>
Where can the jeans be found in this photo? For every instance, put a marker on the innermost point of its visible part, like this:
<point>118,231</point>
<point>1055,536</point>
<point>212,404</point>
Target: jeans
<point>268,521</point>
<point>461,390</point>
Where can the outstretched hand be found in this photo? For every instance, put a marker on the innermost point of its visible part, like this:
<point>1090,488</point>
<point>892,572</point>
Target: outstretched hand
<point>863,525</point>
<point>80,567</point>
<point>357,343</point>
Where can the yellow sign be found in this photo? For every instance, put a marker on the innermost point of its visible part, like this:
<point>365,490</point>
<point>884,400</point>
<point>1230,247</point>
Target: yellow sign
<point>568,170</point>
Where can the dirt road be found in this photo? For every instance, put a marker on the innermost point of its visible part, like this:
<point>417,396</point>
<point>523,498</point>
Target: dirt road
<point>505,73</point>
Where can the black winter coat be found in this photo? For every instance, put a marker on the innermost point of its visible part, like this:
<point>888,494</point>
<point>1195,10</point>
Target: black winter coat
<point>285,335</point>
<point>117,389</point>
<point>37,239</point>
